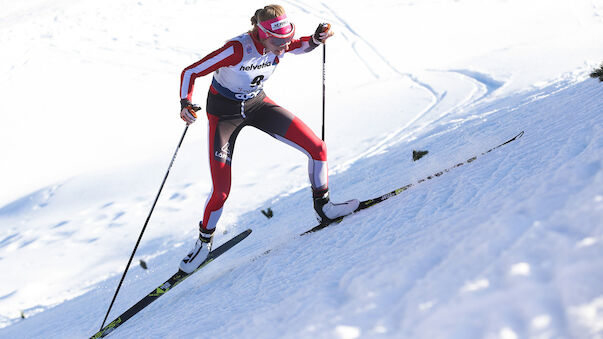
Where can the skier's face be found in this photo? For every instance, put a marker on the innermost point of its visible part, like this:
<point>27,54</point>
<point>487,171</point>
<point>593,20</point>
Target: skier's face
<point>274,48</point>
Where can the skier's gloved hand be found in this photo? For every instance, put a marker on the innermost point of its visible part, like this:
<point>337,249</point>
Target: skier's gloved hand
<point>323,32</point>
<point>188,111</point>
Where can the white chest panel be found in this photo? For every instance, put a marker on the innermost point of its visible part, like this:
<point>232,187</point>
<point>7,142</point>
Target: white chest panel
<point>246,78</point>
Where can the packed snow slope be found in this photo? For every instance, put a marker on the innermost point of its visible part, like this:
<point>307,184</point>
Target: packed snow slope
<point>508,246</point>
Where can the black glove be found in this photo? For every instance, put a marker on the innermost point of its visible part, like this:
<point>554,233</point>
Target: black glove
<point>188,111</point>
<point>323,32</point>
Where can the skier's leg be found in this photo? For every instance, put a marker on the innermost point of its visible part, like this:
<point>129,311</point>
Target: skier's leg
<point>222,135</point>
<point>284,126</point>
<point>300,136</point>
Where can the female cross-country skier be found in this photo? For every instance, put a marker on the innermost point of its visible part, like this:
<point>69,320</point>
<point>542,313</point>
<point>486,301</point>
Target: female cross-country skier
<point>236,99</point>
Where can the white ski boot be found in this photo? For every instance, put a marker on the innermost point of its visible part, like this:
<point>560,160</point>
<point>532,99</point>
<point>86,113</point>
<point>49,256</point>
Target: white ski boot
<point>199,253</point>
<point>326,211</point>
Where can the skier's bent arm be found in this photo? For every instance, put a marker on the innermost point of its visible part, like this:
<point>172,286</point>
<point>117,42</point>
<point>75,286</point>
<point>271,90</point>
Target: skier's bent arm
<point>229,55</point>
<point>308,43</point>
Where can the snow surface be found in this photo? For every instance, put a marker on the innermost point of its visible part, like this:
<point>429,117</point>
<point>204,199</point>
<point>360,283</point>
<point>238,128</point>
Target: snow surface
<point>509,246</point>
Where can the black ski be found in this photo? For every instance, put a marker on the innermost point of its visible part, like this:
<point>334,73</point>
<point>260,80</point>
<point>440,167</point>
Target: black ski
<point>371,202</point>
<point>168,285</point>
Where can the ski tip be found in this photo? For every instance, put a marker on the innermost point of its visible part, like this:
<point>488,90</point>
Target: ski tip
<point>519,135</point>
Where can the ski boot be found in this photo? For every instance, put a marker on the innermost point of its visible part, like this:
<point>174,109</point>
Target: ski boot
<point>326,211</point>
<point>199,252</point>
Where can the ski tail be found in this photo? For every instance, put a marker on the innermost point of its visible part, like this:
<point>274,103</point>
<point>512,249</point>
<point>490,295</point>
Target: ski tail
<point>174,280</point>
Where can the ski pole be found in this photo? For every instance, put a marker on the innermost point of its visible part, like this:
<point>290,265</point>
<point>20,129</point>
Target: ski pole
<point>325,28</point>
<point>324,61</point>
<point>145,226</point>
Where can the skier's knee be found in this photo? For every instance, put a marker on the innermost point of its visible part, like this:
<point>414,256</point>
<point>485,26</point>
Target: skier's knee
<point>320,151</point>
<point>217,200</point>
<point>221,197</point>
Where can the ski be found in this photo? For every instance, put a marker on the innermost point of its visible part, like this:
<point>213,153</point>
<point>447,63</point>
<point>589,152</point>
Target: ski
<point>372,202</point>
<point>177,278</point>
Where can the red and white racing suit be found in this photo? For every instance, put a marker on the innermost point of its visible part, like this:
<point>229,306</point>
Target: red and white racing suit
<point>236,99</point>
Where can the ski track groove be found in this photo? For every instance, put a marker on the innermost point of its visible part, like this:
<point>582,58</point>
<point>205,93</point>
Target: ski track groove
<point>436,98</point>
<point>484,88</point>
